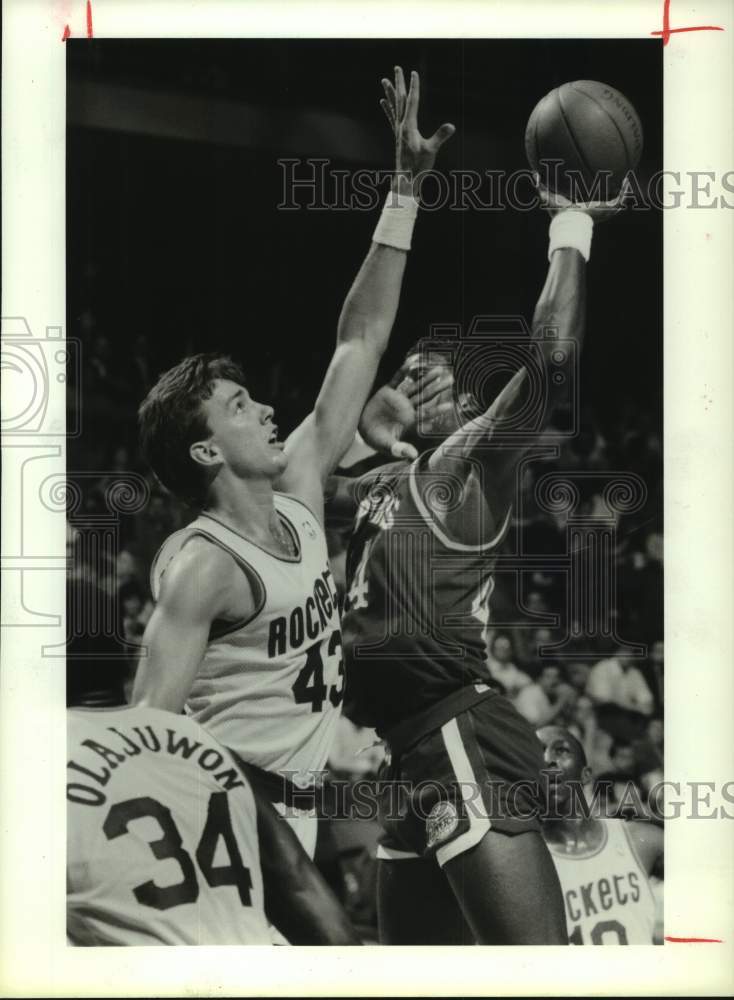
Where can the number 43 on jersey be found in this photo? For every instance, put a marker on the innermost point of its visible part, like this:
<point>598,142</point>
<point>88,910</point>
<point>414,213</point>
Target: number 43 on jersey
<point>309,687</point>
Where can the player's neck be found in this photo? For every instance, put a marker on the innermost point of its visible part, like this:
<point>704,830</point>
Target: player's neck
<point>247,506</point>
<point>575,834</point>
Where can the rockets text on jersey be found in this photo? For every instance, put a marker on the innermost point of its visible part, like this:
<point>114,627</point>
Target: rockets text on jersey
<point>161,834</point>
<point>606,892</point>
<point>417,607</point>
<point>270,688</point>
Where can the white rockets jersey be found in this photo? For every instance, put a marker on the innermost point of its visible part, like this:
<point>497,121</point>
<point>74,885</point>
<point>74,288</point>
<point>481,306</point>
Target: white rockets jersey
<point>161,834</point>
<point>270,688</point>
<point>607,895</point>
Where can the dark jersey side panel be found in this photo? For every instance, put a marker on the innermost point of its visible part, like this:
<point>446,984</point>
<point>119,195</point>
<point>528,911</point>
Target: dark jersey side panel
<point>417,606</point>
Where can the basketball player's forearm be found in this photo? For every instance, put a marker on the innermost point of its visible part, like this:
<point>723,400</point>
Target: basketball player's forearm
<point>562,309</point>
<point>371,305</point>
<point>561,306</point>
<point>297,899</point>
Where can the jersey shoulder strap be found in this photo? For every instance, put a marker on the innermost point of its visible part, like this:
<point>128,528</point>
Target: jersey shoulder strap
<point>217,534</point>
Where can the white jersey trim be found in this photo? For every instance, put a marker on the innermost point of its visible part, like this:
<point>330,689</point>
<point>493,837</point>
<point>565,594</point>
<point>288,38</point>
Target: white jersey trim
<point>290,527</point>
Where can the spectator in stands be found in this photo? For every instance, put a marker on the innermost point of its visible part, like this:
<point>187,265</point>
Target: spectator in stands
<point>621,695</point>
<point>649,749</point>
<point>656,671</point>
<point>549,699</point>
<point>502,668</point>
<point>578,675</point>
<point>595,741</point>
<point>619,787</point>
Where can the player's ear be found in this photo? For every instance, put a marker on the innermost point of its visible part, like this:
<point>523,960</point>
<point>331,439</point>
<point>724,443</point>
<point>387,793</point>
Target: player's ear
<point>205,453</point>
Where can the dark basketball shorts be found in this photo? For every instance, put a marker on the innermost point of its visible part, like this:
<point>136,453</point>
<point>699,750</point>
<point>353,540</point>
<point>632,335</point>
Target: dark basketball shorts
<point>468,765</point>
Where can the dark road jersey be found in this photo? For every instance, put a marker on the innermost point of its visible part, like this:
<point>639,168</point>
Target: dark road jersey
<point>417,607</point>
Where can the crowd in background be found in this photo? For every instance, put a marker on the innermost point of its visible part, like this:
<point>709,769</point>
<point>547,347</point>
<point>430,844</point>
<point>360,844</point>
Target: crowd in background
<point>611,702</point>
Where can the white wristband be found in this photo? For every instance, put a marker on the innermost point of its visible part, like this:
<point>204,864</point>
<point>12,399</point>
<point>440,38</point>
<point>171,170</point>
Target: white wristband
<point>395,227</point>
<point>571,228</point>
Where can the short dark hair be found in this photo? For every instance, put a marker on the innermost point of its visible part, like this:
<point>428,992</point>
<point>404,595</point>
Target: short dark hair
<point>170,420</point>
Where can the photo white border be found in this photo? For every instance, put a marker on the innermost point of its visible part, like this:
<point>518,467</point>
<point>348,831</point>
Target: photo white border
<point>699,85</point>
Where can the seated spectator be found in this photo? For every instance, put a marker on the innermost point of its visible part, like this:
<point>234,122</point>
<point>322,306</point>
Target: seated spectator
<point>619,787</point>
<point>578,675</point>
<point>528,643</point>
<point>655,671</point>
<point>622,696</point>
<point>649,749</point>
<point>501,667</point>
<point>585,727</point>
<point>548,699</point>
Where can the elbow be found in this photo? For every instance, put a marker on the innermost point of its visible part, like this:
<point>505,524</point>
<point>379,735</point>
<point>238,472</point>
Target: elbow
<point>364,333</point>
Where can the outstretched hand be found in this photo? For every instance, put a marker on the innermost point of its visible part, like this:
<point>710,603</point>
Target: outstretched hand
<point>414,154</point>
<point>599,211</point>
<point>395,409</point>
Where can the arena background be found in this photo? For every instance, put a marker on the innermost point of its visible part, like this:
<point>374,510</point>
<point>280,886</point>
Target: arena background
<point>175,244</point>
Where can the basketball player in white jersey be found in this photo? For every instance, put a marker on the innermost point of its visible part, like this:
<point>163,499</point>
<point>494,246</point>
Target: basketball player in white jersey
<point>603,864</point>
<point>245,633</point>
<point>168,843</point>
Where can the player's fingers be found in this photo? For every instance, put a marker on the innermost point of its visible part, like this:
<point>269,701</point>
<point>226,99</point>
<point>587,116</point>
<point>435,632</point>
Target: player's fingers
<point>440,136</point>
<point>388,113</point>
<point>411,107</point>
<point>401,449</point>
<point>389,93</point>
<point>428,378</point>
<point>433,409</point>
<point>429,392</point>
<point>399,93</point>
<point>432,374</point>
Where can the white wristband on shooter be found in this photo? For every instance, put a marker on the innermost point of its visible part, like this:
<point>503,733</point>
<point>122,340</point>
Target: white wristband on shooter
<point>571,228</point>
<point>395,227</point>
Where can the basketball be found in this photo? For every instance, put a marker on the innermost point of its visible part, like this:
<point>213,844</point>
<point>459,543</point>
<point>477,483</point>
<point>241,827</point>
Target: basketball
<point>595,133</point>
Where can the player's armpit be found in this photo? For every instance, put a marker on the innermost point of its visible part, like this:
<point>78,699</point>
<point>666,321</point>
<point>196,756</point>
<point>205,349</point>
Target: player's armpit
<point>196,590</point>
<point>297,899</point>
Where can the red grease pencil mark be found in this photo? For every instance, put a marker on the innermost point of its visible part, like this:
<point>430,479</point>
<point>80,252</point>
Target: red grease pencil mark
<point>66,34</point>
<point>677,940</point>
<point>90,33</point>
<point>667,31</point>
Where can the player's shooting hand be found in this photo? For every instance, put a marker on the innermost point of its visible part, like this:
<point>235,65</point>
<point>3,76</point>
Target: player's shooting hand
<point>395,408</point>
<point>599,211</point>
<point>413,153</point>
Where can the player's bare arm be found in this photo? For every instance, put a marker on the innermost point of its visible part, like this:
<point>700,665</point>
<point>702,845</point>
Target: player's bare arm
<point>475,454</point>
<point>297,899</point>
<point>368,314</point>
<point>201,585</point>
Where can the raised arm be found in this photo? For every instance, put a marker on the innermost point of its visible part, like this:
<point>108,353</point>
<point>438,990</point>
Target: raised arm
<point>369,310</point>
<point>478,448</point>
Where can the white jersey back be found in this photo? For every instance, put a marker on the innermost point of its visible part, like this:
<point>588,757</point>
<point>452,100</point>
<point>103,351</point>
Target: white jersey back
<point>161,834</point>
<point>270,688</point>
<point>606,893</point>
